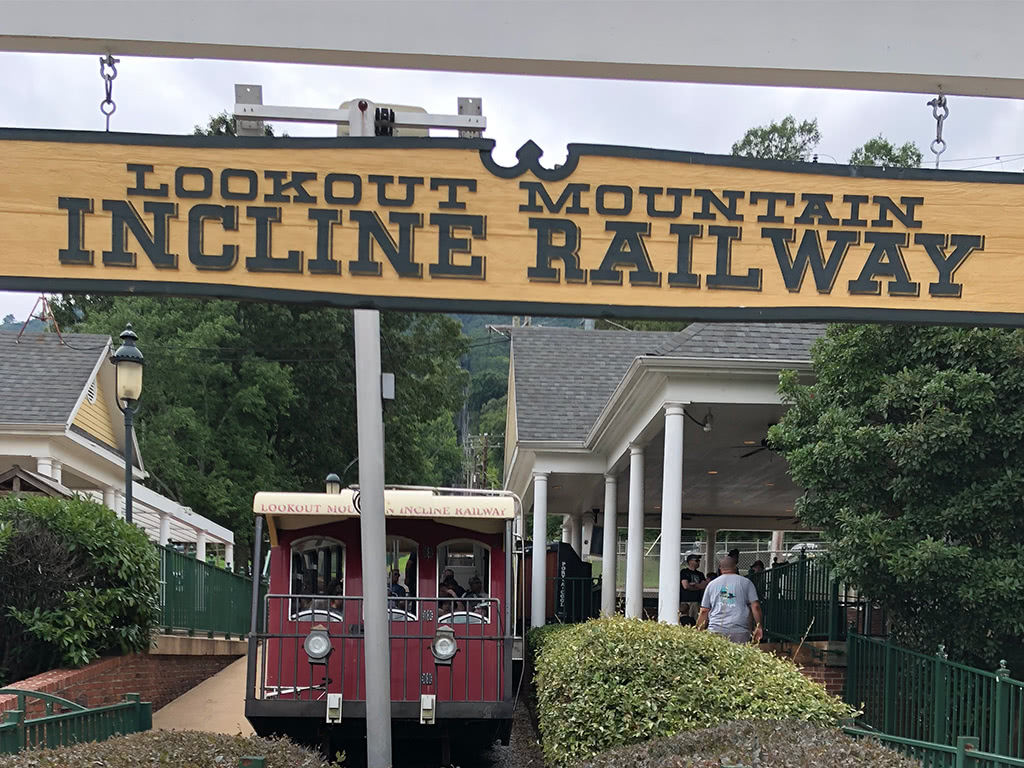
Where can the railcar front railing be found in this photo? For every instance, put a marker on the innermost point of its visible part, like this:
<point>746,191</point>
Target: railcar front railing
<point>477,671</point>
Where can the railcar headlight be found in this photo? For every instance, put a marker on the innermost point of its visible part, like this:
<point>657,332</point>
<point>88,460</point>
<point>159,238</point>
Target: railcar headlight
<point>317,645</point>
<point>444,646</point>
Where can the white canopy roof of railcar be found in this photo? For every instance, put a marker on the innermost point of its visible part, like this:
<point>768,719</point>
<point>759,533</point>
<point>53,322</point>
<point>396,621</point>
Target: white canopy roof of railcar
<point>464,508</point>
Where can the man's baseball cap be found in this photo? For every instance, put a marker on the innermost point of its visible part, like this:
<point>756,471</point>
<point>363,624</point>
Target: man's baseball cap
<point>692,556</point>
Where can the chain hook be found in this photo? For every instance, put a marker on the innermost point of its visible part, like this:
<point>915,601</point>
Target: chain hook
<point>940,111</point>
<point>108,71</point>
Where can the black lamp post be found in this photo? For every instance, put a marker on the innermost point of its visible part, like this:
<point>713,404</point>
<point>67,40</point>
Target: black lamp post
<point>128,366</point>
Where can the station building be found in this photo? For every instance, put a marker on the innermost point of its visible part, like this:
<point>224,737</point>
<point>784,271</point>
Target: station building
<point>62,434</point>
<point>660,434</point>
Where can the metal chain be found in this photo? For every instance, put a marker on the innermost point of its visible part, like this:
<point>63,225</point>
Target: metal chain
<point>108,71</point>
<point>940,112</point>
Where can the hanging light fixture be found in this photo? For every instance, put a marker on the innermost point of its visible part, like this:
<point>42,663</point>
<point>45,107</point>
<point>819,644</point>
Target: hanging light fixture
<point>709,421</point>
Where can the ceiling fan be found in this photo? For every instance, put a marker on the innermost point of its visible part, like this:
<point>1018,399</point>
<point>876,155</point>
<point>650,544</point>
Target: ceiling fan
<point>763,446</point>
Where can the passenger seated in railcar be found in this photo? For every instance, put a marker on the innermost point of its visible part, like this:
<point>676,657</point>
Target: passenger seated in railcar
<point>449,588</point>
<point>476,597</point>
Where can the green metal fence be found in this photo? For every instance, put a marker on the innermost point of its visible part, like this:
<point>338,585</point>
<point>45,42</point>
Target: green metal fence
<point>76,724</point>
<point>967,752</point>
<point>200,598</point>
<point>932,699</point>
<point>804,598</point>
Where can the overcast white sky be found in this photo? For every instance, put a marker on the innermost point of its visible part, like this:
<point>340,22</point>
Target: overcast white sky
<point>171,96</point>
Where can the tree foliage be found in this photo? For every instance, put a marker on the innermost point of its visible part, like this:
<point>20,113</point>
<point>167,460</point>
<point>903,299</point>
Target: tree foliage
<point>784,140</point>
<point>77,583</point>
<point>882,152</point>
<point>910,448</point>
<point>241,397</point>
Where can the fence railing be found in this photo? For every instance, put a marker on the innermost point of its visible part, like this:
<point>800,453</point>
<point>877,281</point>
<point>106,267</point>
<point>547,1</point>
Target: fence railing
<point>932,699</point>
<point>73,726</point>
<point>804,598</point>
<point>965,754</point>
<point>201,598</point>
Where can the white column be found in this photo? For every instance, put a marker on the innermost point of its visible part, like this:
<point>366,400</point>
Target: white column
<point>229,556</point>
<point>201,546</point>
<point>57,472</point>
<point>711,561</point>
<point>576,533</point>
<point>44,466</point>
<point>635,535</point>
<point>566,530</point>
<point>165,529</point>
<point>588,522</point>
<point>540,549</point>
<point>671,516</point>
<point>778,543</point>
<point>609,546</point>
<point>110,498</point>
<point>119,503</point>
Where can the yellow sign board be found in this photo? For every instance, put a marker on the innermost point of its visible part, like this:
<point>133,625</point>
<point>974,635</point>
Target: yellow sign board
<point>437,224</point>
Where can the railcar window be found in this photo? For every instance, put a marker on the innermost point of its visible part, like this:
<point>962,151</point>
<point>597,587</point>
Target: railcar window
<point>402,576</point>
<point>318,568</point>
<point>464,571</point>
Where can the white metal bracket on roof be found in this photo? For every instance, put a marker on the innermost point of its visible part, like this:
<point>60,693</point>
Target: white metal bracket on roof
<point>250,114</point>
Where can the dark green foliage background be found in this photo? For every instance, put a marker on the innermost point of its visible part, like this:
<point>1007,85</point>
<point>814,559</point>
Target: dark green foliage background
<point>77,583</point>
<point>910,445</point>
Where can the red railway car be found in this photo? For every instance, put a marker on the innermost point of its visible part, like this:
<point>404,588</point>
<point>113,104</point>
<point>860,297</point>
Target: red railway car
<point>453,561</point>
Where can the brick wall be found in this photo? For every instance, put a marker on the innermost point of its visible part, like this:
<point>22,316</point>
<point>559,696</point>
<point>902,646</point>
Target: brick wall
<point>833,678</point>
<point>157,678</point>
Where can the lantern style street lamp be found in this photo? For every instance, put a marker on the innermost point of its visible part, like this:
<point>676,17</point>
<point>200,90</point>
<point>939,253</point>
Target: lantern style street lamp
<point>333,483</point>
<point>128,364</point>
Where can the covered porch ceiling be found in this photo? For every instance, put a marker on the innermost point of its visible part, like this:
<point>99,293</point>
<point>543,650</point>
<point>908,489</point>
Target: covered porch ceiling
<point>720,481</point>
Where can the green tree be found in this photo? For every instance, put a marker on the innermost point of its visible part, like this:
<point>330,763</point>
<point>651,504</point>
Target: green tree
<point>910,448</point>
<point>785,140</point>
<point>882,152</point>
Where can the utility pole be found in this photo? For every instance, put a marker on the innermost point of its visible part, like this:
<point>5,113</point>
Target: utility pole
<point>487,483</point>
<point>365,119</point>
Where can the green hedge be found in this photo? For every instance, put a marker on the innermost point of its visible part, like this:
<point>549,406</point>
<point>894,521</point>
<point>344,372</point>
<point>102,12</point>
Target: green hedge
<point>611,682</point>
<point>788,744</point>
<point>538,637</point>
<point>76,583</point>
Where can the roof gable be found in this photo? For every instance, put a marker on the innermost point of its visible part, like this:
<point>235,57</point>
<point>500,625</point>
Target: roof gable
<point>564,376</point>
<point>43,378</point>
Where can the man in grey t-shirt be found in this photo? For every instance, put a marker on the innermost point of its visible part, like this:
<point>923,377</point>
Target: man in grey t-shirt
<point>729,601</point>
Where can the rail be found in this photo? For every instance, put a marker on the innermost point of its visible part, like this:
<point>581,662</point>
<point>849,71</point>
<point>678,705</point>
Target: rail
<point>62,729</point>
<point>197,597</point>
<point>966,753</point>
<point>805,599</point>
<point>930,698</point>
<point>477,673</point>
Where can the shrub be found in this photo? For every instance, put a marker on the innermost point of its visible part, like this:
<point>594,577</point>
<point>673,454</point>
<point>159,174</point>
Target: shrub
<point>615,681</point>
<point>77,583</point>
<point>538,637</point>
<point>180,749</point>
<point>789,744</point>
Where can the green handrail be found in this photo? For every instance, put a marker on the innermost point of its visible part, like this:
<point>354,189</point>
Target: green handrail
<point>804,599</point>
<point>966,753</point>
<point>66,728</point>
<point>47,698</point>
<point>912,695</point>
<point>197,597</point>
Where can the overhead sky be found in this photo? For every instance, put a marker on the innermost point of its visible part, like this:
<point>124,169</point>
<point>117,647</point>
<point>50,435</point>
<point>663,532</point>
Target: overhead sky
<point>172,96</point>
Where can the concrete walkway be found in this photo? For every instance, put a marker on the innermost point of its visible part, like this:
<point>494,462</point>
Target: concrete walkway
<point>216,705</point>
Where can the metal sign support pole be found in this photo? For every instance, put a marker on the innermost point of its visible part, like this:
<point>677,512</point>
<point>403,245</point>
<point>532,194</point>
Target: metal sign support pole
<point>372,533</point>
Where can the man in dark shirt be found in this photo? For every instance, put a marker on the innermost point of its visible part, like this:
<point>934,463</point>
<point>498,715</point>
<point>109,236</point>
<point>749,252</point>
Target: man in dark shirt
<point>692,583</point>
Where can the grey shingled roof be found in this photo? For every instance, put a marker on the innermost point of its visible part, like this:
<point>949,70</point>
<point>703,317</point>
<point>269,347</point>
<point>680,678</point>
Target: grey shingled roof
<point>41,379</point>
<point>744,341</point>
<point>564,376</point>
